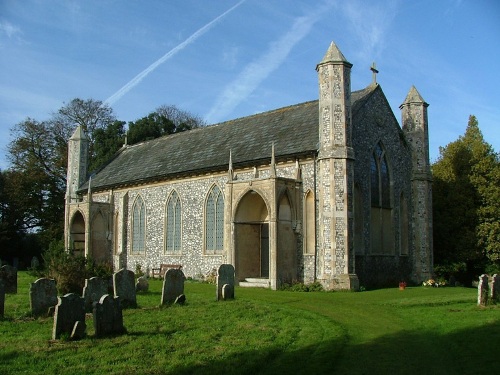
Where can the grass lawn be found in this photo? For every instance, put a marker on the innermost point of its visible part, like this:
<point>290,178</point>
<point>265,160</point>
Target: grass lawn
<point>415,331</point>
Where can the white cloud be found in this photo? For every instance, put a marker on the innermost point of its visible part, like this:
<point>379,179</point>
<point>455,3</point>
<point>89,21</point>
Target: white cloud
<point>257,71</point>
<point>8,29</point>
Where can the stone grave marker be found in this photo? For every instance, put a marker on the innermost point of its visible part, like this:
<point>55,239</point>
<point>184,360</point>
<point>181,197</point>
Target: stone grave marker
<point>35,263</point>
<point>124,287</point>
<point>94,289</point>
<point>9,276</point>
<point>142,284</point>
<point>173,286</point>
<point>225,282</point>
<point>482,290</point>
<point>70,309</point>
<point>108,317</point>
<point>494,289</point>
<point>43,295</point>
<point>2,299</point>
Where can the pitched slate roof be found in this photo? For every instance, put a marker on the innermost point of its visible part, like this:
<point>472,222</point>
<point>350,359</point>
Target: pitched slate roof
<point>293,129</point>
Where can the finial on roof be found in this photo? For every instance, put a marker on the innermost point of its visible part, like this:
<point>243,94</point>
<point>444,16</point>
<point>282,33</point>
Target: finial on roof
<point>230,169</point>
<point>273,162</point>
<point>374,70</point>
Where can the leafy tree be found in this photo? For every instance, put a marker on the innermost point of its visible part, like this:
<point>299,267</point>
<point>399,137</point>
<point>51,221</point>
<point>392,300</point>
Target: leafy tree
<point>466,200</point>
<point>165,120</point>
<point>107,141</point>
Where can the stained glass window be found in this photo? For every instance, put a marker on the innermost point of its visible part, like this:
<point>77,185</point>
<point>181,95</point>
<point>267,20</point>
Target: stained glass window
<point>173,224</point>
<point>214,221</point>
<point>138,226</point>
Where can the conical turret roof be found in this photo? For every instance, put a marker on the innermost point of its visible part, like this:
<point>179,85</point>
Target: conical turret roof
<point>334,55</point>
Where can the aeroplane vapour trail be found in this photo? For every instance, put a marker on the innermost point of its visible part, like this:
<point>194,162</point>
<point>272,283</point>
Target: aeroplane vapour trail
<point>138,78</point>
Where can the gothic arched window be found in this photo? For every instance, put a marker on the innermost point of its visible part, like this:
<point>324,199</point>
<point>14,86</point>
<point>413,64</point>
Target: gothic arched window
<point>173,224</point>
<point>214,221</point>
<point>382,233</point>
<point>138,226</point>
<point>309,224</point>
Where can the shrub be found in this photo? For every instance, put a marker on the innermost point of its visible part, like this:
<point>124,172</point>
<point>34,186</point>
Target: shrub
<point>301,287</point>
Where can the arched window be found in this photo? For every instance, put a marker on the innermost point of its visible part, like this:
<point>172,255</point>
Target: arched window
<point>214,221</point>
<point>382,233</point>
<point>138,226</point>
<point>358,221</point>
<point>173,224</point>
<point>309,224</point>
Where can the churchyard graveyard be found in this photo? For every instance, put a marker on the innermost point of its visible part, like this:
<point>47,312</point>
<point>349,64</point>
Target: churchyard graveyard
<point>259,331</point>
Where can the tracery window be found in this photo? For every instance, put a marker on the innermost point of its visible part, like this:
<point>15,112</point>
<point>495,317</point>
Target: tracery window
<point>138,226</point>
<point>173,224</point>
<point>382,233</point>
<point>214,221</point>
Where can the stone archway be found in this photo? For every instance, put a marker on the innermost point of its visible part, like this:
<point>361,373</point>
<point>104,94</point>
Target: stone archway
<point>251,237</point>
<point>77,234</point>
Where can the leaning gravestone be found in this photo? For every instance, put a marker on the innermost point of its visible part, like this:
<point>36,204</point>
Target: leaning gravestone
<point>124,287</point>
<point>9,276</point>
<point>494,289</point>
<point>173,285</point>
<point>482,290</point>
<point>69,317</point>
<point>108,317</point>
<point>2,299</point>
<point>142,284</point>
<point>35,263</point>
<point>43,295</point>
<point>225,282</point>
<point>94,289</point>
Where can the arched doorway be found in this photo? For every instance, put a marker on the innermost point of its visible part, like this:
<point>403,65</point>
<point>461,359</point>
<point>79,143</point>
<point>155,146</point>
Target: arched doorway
<point>77,234</point>
<point>251,237</point>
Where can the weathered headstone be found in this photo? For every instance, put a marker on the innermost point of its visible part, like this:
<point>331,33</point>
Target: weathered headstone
<point>124,287</point>
<point>173,285</point>
<point>108,317</point>
<point>94,289</point>
<point>225,282</point>
<point>43,295</point>
<point>69,310</point>
<point>2,299</point>
<point>9,276</point>
<point>78,331</point>
<point>181,300</point>
<point>482,290</point>
<point>494,289</point>
<point>35,263</point>
<point>142,284</point>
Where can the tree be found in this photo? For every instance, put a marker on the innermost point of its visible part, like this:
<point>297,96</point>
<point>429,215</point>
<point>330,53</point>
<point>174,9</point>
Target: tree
<point>165,120</point>
<point>466,204</point>
<point>107,142</point>
<point>38,156</point>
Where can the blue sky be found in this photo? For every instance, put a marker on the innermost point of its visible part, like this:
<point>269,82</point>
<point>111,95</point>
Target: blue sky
<point>227,58</point>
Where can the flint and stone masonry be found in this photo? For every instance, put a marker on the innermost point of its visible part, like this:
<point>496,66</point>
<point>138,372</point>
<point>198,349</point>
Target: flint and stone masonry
<point>333,190</point>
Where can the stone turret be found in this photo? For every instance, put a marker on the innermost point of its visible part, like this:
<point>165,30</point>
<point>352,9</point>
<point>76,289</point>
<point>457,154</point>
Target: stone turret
<point>415,126</point>
<point>78,147</point>
<point>336,173</point>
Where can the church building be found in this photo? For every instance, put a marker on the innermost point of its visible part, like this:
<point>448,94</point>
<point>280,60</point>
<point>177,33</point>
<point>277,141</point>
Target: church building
<point>332,190</point>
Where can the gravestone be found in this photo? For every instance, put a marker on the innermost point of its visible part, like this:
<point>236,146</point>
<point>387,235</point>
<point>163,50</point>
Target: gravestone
<point>2,299</point>
<point>124,287</point>
<point>108,317</point>
<point>494,289</point>
<point>35,263</point>
<point>142,284</point>
<point>78,331</point>
<point>482,290</point>
<point>94,289</point>
<point>173,285</point>
<point>70,309</point>
<point>225,282</point>
<point>9,276</point>
<point>43,295</point>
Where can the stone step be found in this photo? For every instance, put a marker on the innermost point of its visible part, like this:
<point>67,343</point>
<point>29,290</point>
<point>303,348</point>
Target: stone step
<point>255,282</point>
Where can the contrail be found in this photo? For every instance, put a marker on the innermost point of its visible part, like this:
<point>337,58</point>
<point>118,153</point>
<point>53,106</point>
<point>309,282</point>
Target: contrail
<point>138,78</point>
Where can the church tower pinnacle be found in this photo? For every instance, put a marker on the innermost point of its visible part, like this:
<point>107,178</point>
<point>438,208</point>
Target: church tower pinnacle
<point>415,126</point>
<point>336,173</point>
<point>78,147</point>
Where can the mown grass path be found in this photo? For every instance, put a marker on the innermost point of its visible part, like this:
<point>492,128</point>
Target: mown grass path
<point>388,331</point>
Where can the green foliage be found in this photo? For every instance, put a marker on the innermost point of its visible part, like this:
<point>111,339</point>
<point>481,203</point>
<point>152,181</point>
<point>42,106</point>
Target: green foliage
<point>107,141</point>
<point>69,270</point>
<point>301,287</point>
<point>466,205</point>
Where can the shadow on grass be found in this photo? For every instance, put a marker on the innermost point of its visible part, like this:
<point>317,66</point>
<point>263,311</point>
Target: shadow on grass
<point>463,352</point>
